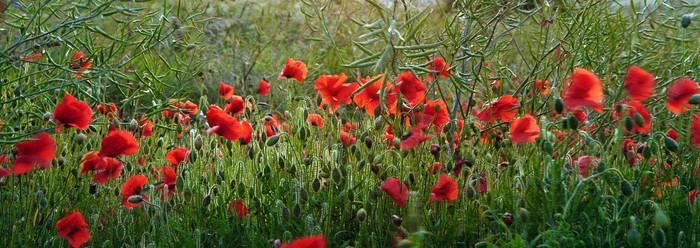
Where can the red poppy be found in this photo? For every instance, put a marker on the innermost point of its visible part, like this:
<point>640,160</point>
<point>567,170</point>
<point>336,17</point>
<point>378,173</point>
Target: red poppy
<point>227,126</point>
<point>109,109</point>
<point>678,94</point>
<point>225,90</point>
<point>410,87</point>
<point>586,163</point>
<point>241,209</point>
<point>79,64</point>
<point>672,134</point>
<point>543,88</point>
<point>397,190</point>
<point>112,169</point>
<point>348,126</point>
<point>583,88</point>
<point>177,156</point>
<point>38,151</point>
<point>187,108</point>
<point>263,88</point>
<point>236,106</point>
<point>483,183</point>
<point>435,112</point>
<point>503,108</point>
<point>334,91</point>
<point>695,131</point>
<point>692,195</point>
<point>272,125</point>
<point>72,112</point>
<point>74,228</point>
<point>119,143</point>
<point>4,172</point>
<point>441,68</point>
<point>435,167</point>
<point>92,161</point>
<point>414,138</point>
<point>169,179</point>
<point>307,242</point>
<point>315,120</point>
<point>294,69</point>
<point>638,107</point>
<point>132,187</point>
<point>524,129</point>
<point>629,149</point>
<point>445,189</point>
<point>346,138</point>
<point>369,97</point>
<point>146,127</point>
<point>639,84</point>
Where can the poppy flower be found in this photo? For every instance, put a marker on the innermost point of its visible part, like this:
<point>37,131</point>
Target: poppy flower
<point>695,131</point>
<point>638,107</point>
<point>583,88</point>
<point>435,167</point>
<point>146,127</point>
<point>315,120</point>
<point>79,64</point>
<point>112,169</point>
<point>414,138</point>
<point>227,126</point>
<point>349,126</point>
<point>272,125</point>
<point>307,242</point>
<point>542,87</point>
<point>108,109</point>
<point>73,227</point>
<point>241,209</point>
<point>678,94</point>
<point>177,156</point>
<point>503,108</point>
<point>294,69</point>
<point>4,172</point>
<point>397,190</point>
<point>225,90</point>
<point>440,67</point>
<point>369,97</point>
<point>236,106</point>
<point>38,151</point>
<point>524,129</point>
<point>483,183</point>
<point>586,163</point>
<point>133,187</point>
<point>445,189</point>
<point>435,112</point>
<point>334,91</point>
<point>263,88</point>
<point>92,161</point>
<point>119,143</point>
<point>672,134</point>
<point>174,110</point>
<point>169,179</point>
<point>629,149</point>
<point>639,84</point>
<point>346,138</point>
<point>410,87</point>
<point>72,112</point>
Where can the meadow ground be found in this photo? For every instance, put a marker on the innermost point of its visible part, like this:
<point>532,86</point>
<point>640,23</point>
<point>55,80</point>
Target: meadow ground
<point>326,123</point>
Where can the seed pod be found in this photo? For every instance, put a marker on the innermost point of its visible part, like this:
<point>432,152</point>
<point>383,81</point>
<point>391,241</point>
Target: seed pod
<point>638,120</point>
<point>361,164</point>
<point>397,220</point>
<point>134,125</point>
<point>206,201</point>
<point>471,194</point>
<point>629,124</point>
<point>626,188</point>
<point>297,210</point>
<point>303,195</point>
<point>241,189</point>
<point>378,123</point>
<point>685,20</point>
<point>671,145</point>
<point>160,142</point>
<point>523,214</point>
<point>397,143</point>
<point>558,106</point>
<point>374,168</point>
<point>336,176</point>
<point>198,142</point>
<point>634,238</point>
<point>660,238</point>
<point>547,147</point>
<point>193,156</point>
<point>646,152</point>
<point>600,168</point>
<point>660,219</point>
<point>572,122</point>
<point>135,199</point>
<point>272,140</point>
<point>361,215</point>
<point>316,185</point>
<point>378,159</point>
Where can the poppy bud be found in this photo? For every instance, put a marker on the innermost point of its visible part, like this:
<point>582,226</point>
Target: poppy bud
<point>660,219</point>
<point>293,170</point>
<point>547,147</point>
<point>285,214</point>
<point>638,119</point>
<point>600,168</point>
<point>241,189</point>
<point>695,99</point>
<point>374,168</point>
<point>60,161</point>
<point>646,152</point>
<point>180,182</point>
<point>377,110</point>
<point>198,142</point>
<point>411,178</point>
<point>572,122</point>
<point>508,219</point>
<point>626,188</point>
<point>558,106</point>
<point>93,188</point>
<point>378,123</point>
<point>80,139</point>
<point>272,140</point>
<point>471,193</point>
<point>397,220</point>
<point>316,185</point>
<point>378,159</point>
<point>523,214</point>
<point>521,203</point>
<point>336,175</point>
<point>302,133</point>
<point>280,162</point>
<point>361,215</point>
<point>435,150</point>
<point>671,144</point>
<point>268,118</point>
<point>277,243</point>
<point>303,195</point>
<point>296,210</point>
<point>397,143</point>
<point>685,21</point>
<point>47,117</point>
<point>135,199</point>
<point>368,142</point>
<point>629,124</point>
<point>133,125</point>
<point>18,91</point>
<point>193,156</point>
<point>115,122</point>
<point>307,161</point>
<point>634,238</point>
<point>660,238</point>
<point>160,142</point>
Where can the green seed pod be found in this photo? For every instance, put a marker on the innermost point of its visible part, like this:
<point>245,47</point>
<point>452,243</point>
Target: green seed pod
<point>134,125</point>
<point>638,120</point>
<point>634,238</point>
<point>471,194</point>
<point>397,143</point>
<point>198,142</point>
<point>361,215</point>
<point>600,168</point>
<point>547,147</point>
<point>564,124</point>
<point>671,144</point>
<point>351,195</point>
<point>206,201</point>
<point>660,219</point>
<point>179,182</point>
<point>297,210</point>
<point>121,231</point>
<point>336,176</point>
<point>160,142</point>
<point>378,123</point>
<point>316,185</point>
<point>378,159</point>
<point>629,124</point>
<point>303,195</point>
<point>280,162</point>
<point>659,238</point>
<point>241,189</point>
<point>193,156</point>
<point>558,106</point>
<point>572,122</point>
<point>523,214</point>
<point>685,21</point>
<point>377,110</point>
<point>267,170</point>
<point>272,140</point>
<point>626,188</point>
<point>646,152</point>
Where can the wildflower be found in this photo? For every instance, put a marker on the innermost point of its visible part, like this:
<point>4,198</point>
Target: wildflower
<point>524,129</point>
<point>334,91</point>
<point>678,94</point>
<point>241,210</point>
<point>112,169</point>
<point>672,134</point>
<point>435,167</point>
<point>38,151</point>
<point>315,120</point>
<point>117,143</point>
<point>639,84</point>
<point>445,189</point>
<point>169,179</point>
<point>346,138</point>
<point>72,112</point>
<point>397,190</point>
<point>435,112</point>
<point>263,88</point>
<point>410,87</point>
<point>92,161</point>
<point>187,108</point>
<point>108,109</point>
<point>503,108</point>
<point>177,156</point>
<point>225,90</point>
<point>349,126</point>
<point>146,127</point>
<point>369,97</point>
<point>542,87</point>
<point>227,126</point>
<point>4,171</point>
<point>441,67</point>
<point>132,187</point>
<point>294,69</point>
<point>74,228</point>
<point>637,107</point>
<point>483,183</point>
<point>79,64</point>
<point>695,131</point>
<point>307,242</point>
<point>414,138</point>
<point>583,88</point>
<point>586,163</point>
<point>236,106</point>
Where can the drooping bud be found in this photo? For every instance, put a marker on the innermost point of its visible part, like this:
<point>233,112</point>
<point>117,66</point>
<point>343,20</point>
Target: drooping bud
<point>368,142</point>
<point>629,124</point>
<point>659,238</point>
<point>638,120</point>
<point>198,142</point>
<point>336,176</point>
<point>671,145</point>
<point>47,116</point>
<point>634,238</point>
<point>361,215</point>
<point>685,20</point>
<point>434,150</point>
<point>93,188</point>
<point>374,168</point>
<point>558,106</point>
<point>135,199</point>
<point>80,139</point>
<point>316,185</point>
<point>133,125</point>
